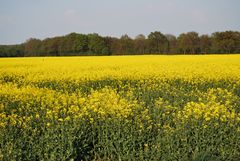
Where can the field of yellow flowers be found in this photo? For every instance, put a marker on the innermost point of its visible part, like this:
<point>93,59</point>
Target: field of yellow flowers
<point>120,108</point>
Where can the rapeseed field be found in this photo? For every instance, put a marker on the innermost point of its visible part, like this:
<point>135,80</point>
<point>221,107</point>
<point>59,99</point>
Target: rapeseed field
<point>120,108</point>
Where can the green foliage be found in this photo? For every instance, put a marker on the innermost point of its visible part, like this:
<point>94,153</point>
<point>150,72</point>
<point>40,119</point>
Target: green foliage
<point>155,43</point>
<point>96,45</point>
<point>11,50</point>
<point>189,43</point>
<point>226,42</point>
<point>154,132</point>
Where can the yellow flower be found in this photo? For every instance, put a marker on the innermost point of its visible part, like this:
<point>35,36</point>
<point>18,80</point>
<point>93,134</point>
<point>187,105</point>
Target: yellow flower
<point>60,119</point>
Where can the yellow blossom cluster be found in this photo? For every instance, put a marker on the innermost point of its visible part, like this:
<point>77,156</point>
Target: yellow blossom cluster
<point>137,97</point>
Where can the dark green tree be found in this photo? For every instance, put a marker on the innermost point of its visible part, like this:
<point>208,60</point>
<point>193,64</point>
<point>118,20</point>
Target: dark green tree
<point>205,44</point>
<point>158,43</point>
<point>32,47</point>
<point>126,45</point>
<point>226,42</point>
<point>140,44</point>
<point>172,43</point>
<point>188,43</point>
<point>80,45</point>
<point>96,45</point>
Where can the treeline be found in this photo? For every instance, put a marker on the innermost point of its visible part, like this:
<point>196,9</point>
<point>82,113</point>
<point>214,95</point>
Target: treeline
<point>155,43</point>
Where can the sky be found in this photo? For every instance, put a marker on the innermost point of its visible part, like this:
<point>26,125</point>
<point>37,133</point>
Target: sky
<point>24,19</point>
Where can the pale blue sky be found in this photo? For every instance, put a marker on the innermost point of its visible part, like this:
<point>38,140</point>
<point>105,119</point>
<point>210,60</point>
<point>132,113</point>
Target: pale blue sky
<point>22,19</point>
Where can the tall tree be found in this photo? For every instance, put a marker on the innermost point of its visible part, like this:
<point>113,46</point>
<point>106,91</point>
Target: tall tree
<point>32,47</point>
<point>188,43</point>
<point>226,42</point>
<point>68,46</point>
<point>157,42</point>
<point>126,44</point>
<point>80,44</point>
<point>96,45</point>
<point>52,46</point>
<point>11,50</point>
<point>205,44</point>
<point>172,43</point>
<point>140,44</point>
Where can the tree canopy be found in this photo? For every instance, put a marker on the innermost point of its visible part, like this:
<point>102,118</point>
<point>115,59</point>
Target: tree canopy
<point>155,43</point>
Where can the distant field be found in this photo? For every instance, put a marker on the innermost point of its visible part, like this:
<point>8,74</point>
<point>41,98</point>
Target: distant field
<point>120,108</point>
